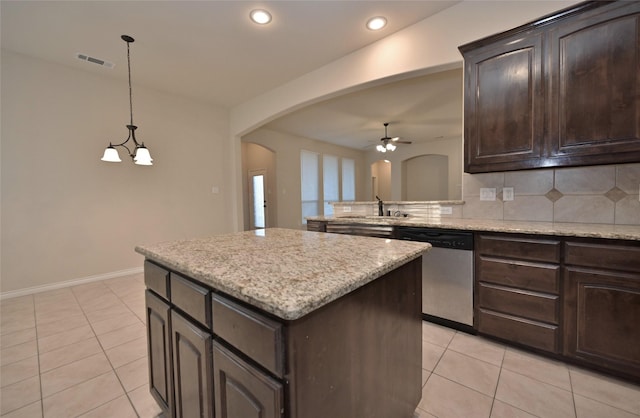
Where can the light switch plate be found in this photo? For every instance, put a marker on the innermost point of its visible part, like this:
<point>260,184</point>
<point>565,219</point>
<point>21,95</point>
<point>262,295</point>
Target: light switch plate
<point>446,210</point>
<point>488,193</point>
<point>507,194</point>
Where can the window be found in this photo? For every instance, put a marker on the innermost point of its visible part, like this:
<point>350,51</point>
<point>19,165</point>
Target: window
<point>337,182</point>
<point>330,182</point>
<point>348,179</point>
<point>309,181</point>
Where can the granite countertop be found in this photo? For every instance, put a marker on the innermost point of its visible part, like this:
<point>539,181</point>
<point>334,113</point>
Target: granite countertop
<point>625,232</point>
<point>286,272</point>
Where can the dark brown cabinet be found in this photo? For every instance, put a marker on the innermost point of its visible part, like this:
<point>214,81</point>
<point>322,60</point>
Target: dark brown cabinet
<point>594,79</point>
<point>179,348</point>
<point>504,104</point>
<point>561,91</point>
<point>602,299</point>
<point>192,368</point>
<point>214,356</point>
<point>317,226</point>
<point>158,313</point>
<point>380,231</point>
<point>242,389</point>
<point>517,290</point>
<point>574,297</point>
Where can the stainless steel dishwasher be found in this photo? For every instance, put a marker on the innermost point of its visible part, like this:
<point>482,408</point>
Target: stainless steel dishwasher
<point>447,275</point>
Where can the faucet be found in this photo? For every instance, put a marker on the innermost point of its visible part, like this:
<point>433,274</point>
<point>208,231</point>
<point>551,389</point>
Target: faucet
<point>380,206</point>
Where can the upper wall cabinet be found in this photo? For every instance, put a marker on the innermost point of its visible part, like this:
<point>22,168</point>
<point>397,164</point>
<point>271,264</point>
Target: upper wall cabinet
<point>561,91</point>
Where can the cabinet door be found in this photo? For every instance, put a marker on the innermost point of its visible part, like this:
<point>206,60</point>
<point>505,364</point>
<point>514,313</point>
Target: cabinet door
<point>159,350</point>
<point>504,105</point>
<point>602,313</point>
<point>192,369</point>
<point>243,391</point>
<point>594,86</point>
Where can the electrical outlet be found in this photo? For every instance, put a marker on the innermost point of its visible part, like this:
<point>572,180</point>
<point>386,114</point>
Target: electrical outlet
<point>488,193</point>
<point>346,208</point>
<point>215,190</point>
<point>507,194</point>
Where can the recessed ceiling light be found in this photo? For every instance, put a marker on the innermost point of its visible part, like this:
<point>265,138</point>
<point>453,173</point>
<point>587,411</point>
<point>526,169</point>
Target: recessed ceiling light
<point>376,23</point>
<point>260,16</point>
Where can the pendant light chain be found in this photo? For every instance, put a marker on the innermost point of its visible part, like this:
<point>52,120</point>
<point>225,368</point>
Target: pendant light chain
<point>130,89</point>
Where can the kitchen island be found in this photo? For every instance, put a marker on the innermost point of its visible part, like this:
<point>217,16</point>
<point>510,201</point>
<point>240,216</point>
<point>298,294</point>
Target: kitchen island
<point>284,323</point>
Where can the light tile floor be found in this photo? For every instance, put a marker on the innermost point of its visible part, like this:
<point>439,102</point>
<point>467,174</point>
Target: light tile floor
<point>81,352</point>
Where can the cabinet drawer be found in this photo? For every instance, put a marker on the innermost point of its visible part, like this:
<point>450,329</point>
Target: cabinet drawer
<point>250,332</point>
<point>156,278</point>
<point>381,231</point>
<point>519,330</point>
<point>192,299</point>
<point>316,226</point>
<point>522,248</point>
<point>531,305</point>
<point>522,274</point>
<point>610,257</point>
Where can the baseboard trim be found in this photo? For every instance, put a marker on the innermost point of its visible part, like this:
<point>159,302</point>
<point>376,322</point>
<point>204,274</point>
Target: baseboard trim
<point>69,283</point>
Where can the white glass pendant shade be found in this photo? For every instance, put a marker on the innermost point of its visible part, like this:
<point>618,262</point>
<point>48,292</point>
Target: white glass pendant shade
<point>381,148</point>
<point>391,147</point>
<point>111,155</point>
<point>142,156</point>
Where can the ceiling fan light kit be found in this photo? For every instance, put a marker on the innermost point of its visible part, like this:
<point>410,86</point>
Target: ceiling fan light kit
<point>387,144</point>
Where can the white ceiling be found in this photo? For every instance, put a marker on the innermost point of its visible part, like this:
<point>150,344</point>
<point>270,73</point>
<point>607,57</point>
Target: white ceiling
<point>418,109</point>
<point>210,51</point>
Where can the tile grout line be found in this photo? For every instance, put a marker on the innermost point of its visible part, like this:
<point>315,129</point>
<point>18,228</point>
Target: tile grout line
<point>104,352</point>
<point>495,392</point>
<point>35,325</point>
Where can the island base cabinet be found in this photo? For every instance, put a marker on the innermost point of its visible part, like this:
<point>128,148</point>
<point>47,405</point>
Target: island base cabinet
<point>159,350</point>
<point>357,356</point>
<point>361,355</point>
<point>192,369</point>
<point>243,391</point>
<point>602,322</point>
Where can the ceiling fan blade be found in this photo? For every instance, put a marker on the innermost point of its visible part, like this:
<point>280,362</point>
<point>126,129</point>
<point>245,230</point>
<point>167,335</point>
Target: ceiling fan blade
<point>403,142</point>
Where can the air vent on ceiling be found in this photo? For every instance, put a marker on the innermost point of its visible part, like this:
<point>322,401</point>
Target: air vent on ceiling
<point>98,61</point>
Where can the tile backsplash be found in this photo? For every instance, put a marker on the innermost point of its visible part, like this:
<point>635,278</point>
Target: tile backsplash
<point>595,194</point>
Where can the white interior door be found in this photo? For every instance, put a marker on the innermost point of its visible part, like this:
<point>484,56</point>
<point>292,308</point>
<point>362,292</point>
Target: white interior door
<point>258,198</point>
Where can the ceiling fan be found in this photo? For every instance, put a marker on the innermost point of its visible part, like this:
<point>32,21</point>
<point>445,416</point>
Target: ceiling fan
<point>388,142</point>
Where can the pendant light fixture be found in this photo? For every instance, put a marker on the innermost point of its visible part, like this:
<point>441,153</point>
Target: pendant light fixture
<point>140,154</point>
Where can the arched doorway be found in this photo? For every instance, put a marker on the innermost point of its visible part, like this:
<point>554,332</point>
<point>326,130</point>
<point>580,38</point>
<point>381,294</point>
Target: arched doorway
<point>381,180</point>
<point>259,185</point>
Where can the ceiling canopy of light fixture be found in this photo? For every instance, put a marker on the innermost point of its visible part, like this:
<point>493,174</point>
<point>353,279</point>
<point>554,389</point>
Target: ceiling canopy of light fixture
<point>140,153</point>
<point>388,143</point>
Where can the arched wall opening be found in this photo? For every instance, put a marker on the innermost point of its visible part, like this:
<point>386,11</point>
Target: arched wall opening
<point>259,159</point>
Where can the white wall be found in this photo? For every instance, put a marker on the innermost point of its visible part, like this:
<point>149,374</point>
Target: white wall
<point>287,149</point>
<point>425,177</point>
<point>66,215</point>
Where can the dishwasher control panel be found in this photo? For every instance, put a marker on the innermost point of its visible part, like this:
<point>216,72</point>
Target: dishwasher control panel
<point>441,238</point>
